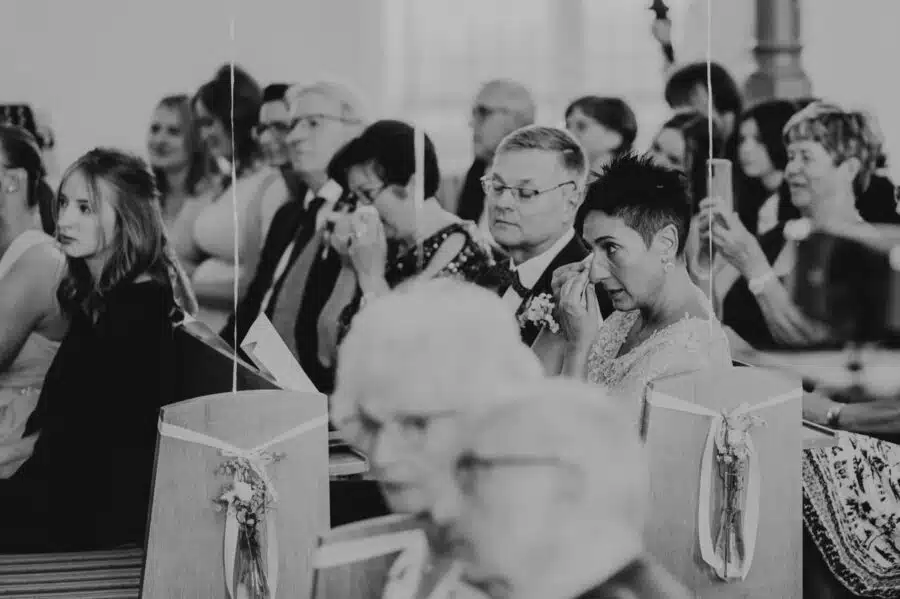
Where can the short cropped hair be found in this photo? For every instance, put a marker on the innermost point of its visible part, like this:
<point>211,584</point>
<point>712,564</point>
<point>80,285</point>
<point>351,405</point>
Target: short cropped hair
<point>647,196</point>
<point>352,108</point>
<point>571,154</point>
<point>725,93</point>
<point>440,343</point>
<point>843,133</point>
<point>388,146</point>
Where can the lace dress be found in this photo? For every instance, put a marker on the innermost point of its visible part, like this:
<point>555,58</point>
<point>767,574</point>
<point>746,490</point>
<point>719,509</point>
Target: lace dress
<point>688,345</point>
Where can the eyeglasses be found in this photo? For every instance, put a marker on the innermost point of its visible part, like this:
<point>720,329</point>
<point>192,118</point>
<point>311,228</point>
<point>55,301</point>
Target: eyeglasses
<point>469,464</point>
<point>315,121</point>
<point>495,189</point>
<point>362,429</point>
<point>481,112</point>
<point>279,127</point>
<point>366,197</point>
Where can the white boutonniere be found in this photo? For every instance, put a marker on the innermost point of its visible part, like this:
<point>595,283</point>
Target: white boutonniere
<point>539,311</point>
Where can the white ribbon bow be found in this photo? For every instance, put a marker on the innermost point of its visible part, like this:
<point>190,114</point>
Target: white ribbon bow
<point>750,515</point>
<point>255,457</point>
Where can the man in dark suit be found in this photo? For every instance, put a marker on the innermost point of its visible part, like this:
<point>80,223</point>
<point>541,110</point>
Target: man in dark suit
<point>296,273</point>
<point>550,500</point>
<point>533,189</point>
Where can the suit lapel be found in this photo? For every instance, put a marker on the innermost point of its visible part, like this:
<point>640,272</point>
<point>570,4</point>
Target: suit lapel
<point>574,251</point>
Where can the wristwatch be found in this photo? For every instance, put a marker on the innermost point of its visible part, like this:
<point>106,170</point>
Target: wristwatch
<point>833,414</point>
<point>758,284</point>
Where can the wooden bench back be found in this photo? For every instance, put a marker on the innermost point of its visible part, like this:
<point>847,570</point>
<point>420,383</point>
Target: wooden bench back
<point>676,441</point>
<point>185,544</point>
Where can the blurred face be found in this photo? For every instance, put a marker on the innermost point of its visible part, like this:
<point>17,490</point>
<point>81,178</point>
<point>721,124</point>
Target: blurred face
<point>752,154</point>
<point>501,518</point>
<point>317,132</point>
<point>213,134</point>
<point>409,451</point>
<point>599,142</point>
<point>620,261</point>
<point>86,224</point>
<point>669,149</point>
<point>393,203</point>
<point>812,175</point>
<point>167,140</point>
<point>491,121</point>
<point>533,219</point>
<point>271,132</point>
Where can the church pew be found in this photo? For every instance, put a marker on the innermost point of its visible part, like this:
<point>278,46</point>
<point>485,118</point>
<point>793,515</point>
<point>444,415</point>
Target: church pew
<point>185,540</point>
<point>205,368</point>
<point>676,439</point>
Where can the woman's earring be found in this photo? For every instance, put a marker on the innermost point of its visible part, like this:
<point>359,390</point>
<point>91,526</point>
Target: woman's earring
<point>12,189</point>
<point>668,265</point>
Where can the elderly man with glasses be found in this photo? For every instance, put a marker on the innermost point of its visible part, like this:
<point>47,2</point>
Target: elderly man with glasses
<point>549,500</point>
<point>415,364</point>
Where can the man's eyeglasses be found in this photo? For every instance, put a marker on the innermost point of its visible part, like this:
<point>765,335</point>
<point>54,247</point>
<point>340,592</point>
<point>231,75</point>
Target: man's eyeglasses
<point>482,112</point>
<point>315,121</point>
<point>277,127</point>
<point>495,188</point>
<point>469,464</point>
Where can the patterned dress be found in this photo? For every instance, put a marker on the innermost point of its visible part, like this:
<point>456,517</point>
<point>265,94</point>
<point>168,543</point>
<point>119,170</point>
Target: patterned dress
<point>472,263</point>
<point>851,509</point>
<point>687,345</point>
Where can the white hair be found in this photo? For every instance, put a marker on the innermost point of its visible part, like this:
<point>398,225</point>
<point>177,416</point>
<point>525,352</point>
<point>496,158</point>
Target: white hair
<point>572,155</point>
<point>581,425</point>
<point>442,344</point>
<point>351,105</point>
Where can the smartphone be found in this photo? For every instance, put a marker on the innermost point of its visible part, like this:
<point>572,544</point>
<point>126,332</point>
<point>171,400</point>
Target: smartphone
<point>719,182</point>
<point>719,185</point>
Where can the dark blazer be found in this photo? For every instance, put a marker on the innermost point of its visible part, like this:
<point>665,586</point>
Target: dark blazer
<point>574,251</point>
<point>643,578</point>
<point>287,224</point>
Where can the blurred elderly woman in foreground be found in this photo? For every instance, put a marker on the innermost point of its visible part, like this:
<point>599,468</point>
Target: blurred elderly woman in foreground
<point>415,362</point>
<point>550,499</point>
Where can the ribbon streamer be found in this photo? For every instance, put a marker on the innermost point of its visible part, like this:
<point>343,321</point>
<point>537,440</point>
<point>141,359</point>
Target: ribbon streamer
<point>750,515</point>
<point>256,459</point>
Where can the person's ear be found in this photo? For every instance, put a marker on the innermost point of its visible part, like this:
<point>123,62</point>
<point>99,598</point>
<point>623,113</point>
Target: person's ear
<point>665,242</point>
<point>850,168</point>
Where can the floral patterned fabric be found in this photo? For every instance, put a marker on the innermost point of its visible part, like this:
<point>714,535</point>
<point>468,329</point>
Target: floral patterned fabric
<point>685,346</point>
<point>470,264</point>
<point>851,508</point>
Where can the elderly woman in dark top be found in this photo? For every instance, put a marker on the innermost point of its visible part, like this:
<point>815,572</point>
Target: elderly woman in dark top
<point>88,483</point>
<point>392,237</point>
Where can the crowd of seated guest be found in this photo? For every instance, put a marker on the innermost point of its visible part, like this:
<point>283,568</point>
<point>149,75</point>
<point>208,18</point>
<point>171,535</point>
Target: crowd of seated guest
<point>333,228</point>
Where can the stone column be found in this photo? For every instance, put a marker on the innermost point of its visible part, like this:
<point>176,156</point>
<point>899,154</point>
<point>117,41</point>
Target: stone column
<point>779,71</point>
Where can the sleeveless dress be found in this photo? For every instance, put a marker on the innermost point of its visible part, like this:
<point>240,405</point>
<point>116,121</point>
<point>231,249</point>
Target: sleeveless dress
<point>20,384</point>
<point>257,195</point>
<point>687,345</point>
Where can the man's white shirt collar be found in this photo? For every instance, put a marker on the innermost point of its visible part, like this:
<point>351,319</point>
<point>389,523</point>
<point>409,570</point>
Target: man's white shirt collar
<point>531,270</point>
<point>330,192</point>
